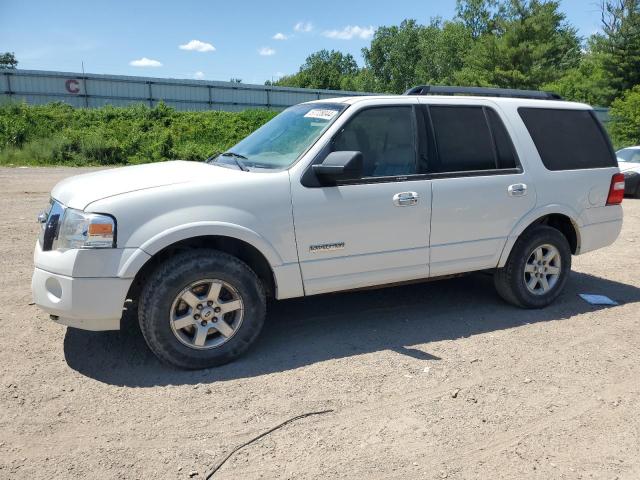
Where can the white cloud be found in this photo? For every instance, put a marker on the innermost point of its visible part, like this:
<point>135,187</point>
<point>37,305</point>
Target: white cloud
<point>145,62</point>
<point>303,27</point>
<point>198,75</point>
<point>280,36</point>
<point>198,46</point>
<point>266,51</point>
<point>349,32</point>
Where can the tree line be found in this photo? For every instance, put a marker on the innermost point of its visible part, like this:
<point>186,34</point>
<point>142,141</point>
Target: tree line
<point>500,43</point>
<point>495,43</point>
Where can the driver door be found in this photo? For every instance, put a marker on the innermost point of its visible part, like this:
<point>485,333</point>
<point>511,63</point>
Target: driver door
<point>374,230</point>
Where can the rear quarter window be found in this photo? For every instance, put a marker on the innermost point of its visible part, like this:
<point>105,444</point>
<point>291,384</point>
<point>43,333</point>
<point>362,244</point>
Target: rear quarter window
<point>568,139</point>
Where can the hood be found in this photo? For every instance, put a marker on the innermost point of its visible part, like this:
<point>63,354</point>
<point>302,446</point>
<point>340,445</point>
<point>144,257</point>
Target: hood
<point>81,190</point>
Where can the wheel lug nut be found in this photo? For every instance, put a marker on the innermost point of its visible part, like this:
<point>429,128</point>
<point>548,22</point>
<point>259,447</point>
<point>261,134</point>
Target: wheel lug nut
<point>209,303</point>
<point>196,316</point>
<point>203,323</point>
<point>215,319</point>
<point>199,307</point>
<point>217,309</point>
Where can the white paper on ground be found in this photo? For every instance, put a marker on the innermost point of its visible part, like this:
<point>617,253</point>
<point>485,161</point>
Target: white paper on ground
<point>597,299</point>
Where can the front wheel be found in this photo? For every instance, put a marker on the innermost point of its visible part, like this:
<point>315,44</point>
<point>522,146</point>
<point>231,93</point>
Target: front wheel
<point>537,268</point>
<point>201,308</point>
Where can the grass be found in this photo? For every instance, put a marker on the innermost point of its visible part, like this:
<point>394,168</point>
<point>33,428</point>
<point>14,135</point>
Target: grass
<point>58,134</point>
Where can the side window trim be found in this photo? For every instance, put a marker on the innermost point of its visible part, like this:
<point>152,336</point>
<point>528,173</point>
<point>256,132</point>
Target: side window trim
<point>494,145</point>
<point>473,173</point>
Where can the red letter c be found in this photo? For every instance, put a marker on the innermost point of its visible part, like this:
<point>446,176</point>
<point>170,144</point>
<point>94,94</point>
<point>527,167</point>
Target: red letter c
<point>72,86</point>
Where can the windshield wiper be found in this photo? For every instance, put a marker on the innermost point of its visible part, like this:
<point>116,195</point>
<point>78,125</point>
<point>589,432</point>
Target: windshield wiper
<point>238,159</point>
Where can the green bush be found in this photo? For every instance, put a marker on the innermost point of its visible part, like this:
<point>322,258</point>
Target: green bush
<point>624,126</point>
<point>58,134</point>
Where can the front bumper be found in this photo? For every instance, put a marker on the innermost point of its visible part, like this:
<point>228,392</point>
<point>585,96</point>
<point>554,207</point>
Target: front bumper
<point>86,303</point>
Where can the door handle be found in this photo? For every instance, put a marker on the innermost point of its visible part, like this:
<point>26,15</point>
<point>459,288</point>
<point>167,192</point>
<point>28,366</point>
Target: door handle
<point>405,199</point>
<point>517,190</point>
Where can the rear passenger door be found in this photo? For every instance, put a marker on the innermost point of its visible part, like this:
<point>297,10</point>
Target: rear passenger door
<point>479,188</point>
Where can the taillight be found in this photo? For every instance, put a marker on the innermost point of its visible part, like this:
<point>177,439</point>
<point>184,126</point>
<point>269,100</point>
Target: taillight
<point>616,190</point>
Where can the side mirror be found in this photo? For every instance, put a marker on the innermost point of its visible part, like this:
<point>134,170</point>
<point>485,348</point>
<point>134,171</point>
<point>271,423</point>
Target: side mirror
<point>339,166</point>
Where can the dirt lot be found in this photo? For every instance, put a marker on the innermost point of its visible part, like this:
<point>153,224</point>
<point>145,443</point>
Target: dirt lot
<point>437,380</point>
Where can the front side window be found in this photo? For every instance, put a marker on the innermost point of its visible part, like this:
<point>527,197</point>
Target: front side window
<point>469,138</point>
<point>279,142</point>
<point>385,137</point>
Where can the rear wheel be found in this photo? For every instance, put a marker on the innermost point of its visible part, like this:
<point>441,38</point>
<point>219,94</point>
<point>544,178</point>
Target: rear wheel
<point>537,268</point>
<point>201,309</point>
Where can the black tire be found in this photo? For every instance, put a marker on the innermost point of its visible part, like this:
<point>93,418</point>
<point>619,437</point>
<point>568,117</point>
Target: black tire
<point>510,280</point>
<point>173,276</point>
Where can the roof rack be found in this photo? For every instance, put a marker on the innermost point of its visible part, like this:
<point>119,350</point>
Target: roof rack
<point>482,91</point>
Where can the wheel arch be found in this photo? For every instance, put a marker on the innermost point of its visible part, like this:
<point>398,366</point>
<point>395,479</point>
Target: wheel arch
<point>236,240</point>
<point>561,218</point>
<point>241,249</point>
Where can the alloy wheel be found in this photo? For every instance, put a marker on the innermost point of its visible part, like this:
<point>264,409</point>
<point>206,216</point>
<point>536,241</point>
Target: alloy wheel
<point>206,314</point>
<point>542,270</point>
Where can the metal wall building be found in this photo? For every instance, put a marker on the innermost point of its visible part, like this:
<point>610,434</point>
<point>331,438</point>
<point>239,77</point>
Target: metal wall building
<point>93,90</point>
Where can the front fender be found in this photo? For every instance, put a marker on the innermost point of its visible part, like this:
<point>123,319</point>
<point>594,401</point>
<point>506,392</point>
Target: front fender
<point>197,229</point>
<point>531,218</point>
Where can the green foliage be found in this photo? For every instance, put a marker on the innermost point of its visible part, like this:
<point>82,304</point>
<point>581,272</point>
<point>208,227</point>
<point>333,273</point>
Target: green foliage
<point>58,134</point>
<point>500,43</point>
<point>324,69</point>
<point>620,43</point>
<point>478,16</point>
<point>624,126</point>
<point>393,56</point>
<point>531,45</point>
<point>8,60</point>
<point>443,50</point>
<point>587,83</point>
<point>514,44</point>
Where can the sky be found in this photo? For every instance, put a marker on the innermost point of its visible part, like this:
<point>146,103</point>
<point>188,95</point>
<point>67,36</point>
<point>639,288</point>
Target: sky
<point>211,40</point>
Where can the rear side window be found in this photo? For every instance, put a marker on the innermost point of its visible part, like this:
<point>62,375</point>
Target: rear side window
<point>469,138</point>
<point>568,139</point>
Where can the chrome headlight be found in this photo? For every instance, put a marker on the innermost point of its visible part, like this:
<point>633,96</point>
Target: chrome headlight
<point>85,230</point>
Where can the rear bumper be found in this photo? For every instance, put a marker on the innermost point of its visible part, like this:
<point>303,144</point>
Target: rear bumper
<point>599,235</point>
<point>85,303</point>
<point>631,183</point>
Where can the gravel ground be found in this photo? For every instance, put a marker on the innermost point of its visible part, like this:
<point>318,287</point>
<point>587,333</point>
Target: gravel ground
<point>436,380</point>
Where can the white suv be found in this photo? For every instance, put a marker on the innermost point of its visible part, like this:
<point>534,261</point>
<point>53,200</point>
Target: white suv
<point>328,196</point>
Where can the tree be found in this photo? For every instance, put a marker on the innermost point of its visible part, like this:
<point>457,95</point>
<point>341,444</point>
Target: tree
<point>235,80</point>
<point>624,126</point>
<point>443,48</point>
<point>8,60</point>
<point>620,42</point>
<point>393,55</point>
<point>479,16</point>
<point>589,82</point>
<point>532,44</point>
<point>323,69</point>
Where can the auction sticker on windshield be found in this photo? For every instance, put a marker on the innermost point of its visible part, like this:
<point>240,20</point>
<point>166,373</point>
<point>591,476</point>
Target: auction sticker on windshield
<point>324,114</point>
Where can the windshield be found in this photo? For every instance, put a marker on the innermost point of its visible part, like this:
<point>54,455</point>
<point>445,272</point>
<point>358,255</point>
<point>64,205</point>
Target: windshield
<point>279,142</point>
<point>629,155</point>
